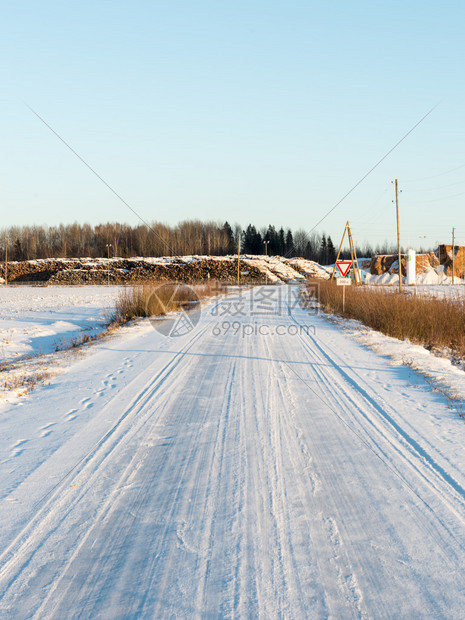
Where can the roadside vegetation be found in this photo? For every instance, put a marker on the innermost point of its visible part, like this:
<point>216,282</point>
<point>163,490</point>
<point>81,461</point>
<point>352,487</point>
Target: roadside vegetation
<point>432,322</point>
<point>157,299</point>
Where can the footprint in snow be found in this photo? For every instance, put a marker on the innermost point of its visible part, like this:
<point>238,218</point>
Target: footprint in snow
<point>18,447</point>
<point>85,402</point>
<point>46,430</point>
<point>71,415</point>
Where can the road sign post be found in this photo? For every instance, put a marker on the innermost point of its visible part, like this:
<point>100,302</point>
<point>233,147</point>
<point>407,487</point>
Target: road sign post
<point>353,255</point>
<point>344,282</point>
<point>343,267</point>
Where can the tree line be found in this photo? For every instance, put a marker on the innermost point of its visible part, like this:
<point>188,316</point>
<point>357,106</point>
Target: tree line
<point>188,237</point>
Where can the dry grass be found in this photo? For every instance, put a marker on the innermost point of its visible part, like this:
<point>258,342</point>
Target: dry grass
<point>157,299</point>
<point>25,382</point>
<point>432,322</point>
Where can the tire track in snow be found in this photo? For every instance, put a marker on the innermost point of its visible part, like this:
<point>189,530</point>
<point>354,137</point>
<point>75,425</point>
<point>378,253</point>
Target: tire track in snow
<point>215,495</point>
<point>275,467</point>
<point>129,513</point>
<point>182,540</point>
<point>327,374</point>
<point>271,583</point>
<point>444,545</point>
<point>276,493</point>
<point>234,494</point>
<point>343,598</point>
<point>60,502</point>
<point>398,438</point>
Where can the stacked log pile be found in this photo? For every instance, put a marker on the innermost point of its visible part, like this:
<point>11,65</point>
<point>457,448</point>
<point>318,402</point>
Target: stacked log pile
<point>36,271</point>
<point>424,262</point>
<point>383,262</point>
<point>445,256</point>
<point>388,263</point>
<point>123,271</point>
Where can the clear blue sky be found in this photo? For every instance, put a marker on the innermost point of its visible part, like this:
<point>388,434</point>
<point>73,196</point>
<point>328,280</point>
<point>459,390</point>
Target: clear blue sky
<point>247,111</point>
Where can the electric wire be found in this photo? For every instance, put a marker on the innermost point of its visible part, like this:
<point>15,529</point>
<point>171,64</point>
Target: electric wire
<point>435,176</point>
<point>432,189</point>
<point>370,171</point>
<point>120,198</point>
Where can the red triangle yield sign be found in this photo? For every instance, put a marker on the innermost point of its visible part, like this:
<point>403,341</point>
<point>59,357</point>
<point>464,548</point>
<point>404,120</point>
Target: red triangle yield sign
<point>344,266</point>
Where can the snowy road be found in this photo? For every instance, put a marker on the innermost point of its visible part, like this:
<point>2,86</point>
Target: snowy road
<point>254,469</point>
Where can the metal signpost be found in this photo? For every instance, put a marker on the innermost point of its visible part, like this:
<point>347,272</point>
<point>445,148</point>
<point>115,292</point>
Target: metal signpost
<point>343,268</point>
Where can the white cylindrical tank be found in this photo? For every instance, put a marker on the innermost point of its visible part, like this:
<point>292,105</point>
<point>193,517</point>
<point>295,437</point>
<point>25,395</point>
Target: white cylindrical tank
<point>411,268</point>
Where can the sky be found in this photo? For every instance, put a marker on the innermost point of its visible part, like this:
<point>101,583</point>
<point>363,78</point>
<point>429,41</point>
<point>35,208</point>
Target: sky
<point>259,111</point>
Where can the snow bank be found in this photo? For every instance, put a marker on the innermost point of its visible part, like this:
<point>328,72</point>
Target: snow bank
<point>310,267</point>
<point>275,268</point>
<point>446,376</point>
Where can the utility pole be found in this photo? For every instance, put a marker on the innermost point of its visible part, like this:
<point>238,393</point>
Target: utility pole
<point>6,262</point>
<point>453,254</point>
<point>398,239</point>
<point>108,246</point>
<point>266,242</point>
<point>239,260</point>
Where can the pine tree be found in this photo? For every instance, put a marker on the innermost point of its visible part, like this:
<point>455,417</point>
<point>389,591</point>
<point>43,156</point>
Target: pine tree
<point>230,244</point>
<point>272,237</point>
<point>331,250</point>
<point>252,241</point>
<point>308,253</point>
<point>282,242</point>
<point>323,257</point>
<point>289,249</point>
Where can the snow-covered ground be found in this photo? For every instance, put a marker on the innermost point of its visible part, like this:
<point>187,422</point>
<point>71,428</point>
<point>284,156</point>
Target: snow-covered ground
<point>430,278</point>
<point>453,291</point>
<point>444,375</point>
<point>265,464</point>
<point>39,319</point>
<point>449,291</point>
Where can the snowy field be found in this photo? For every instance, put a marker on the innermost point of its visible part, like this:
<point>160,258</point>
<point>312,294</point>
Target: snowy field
<point>452,291</point>
<point>427,280</point>
<point>456,291</point>
<point>266,464</point>
<point>40,319</point>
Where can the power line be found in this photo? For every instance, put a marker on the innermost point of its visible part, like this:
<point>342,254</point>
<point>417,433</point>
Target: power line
<point>440,199</point>
<point>435,176</point>
<point>434,189</point>
<point>374,167</point>
<point>120,198</point>
<point>371,169</point>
